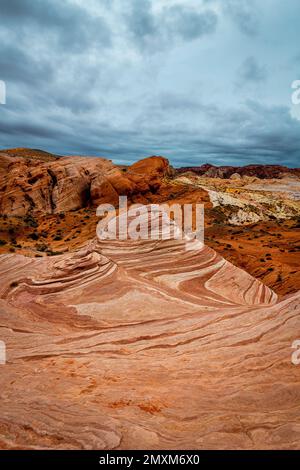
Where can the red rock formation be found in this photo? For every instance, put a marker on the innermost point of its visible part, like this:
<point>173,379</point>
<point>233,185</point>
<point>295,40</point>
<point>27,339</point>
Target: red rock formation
<point>48,187</point>
<point>29,185</point>
<point>145,345</point>
<point>140,178</point>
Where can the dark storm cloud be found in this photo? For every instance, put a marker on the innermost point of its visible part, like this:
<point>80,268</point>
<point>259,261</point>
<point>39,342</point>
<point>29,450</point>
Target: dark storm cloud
<point>173,23</point>
<point>262,135</point>
<point>36,130</point>
<point>189,24</point>
<point>245,15</point>
<point>17,66</point>
<point>259,134</point>
<point>130,80</point>
<point>70,24</point>
<point>251,72</point>
<point>140,21</point>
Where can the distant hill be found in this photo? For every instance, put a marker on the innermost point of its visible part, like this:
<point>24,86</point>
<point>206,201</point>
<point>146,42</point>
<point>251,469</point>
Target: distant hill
<point>32,154</point>
<point>259,171</point>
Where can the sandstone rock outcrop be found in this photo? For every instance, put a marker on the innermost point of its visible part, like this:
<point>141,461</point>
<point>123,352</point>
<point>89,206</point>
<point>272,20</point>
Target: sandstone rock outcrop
<point>145,345</point>
<point>30,185</point>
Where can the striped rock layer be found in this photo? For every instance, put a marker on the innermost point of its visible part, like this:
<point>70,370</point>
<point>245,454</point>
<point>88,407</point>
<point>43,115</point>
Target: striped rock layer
<point>145,344</point>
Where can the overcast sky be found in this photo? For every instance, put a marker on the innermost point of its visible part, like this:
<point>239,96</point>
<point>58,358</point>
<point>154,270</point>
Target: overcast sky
<point>194,80</point>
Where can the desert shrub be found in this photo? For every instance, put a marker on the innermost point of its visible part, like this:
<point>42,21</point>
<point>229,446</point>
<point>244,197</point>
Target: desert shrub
<point>3,242</point>
<point>57,237</point>
<point>53,253</point>
<point>41,247</point>
<point>30,221</point>
<point>34,236</point>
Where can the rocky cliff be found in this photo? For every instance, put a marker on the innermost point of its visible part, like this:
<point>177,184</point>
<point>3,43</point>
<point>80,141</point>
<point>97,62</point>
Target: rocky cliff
<point>258,171</point>
<point>28,184</point>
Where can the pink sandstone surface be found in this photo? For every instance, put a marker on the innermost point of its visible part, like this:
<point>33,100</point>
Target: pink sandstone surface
<point>144,344</point>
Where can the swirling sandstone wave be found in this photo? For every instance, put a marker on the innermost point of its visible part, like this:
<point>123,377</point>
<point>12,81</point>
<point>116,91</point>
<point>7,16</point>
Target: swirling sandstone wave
<point>144,344</point>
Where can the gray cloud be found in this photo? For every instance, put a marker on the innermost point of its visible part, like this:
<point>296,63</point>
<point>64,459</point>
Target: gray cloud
<point>262,135</point>
<point>245,15</point>
<point>17,66</point>
<point>189,24</point>
<point>251,72</point>
<point>141,23</point>
<point>66,23</point>
<point>174,23</point>
<point>129,80</point>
